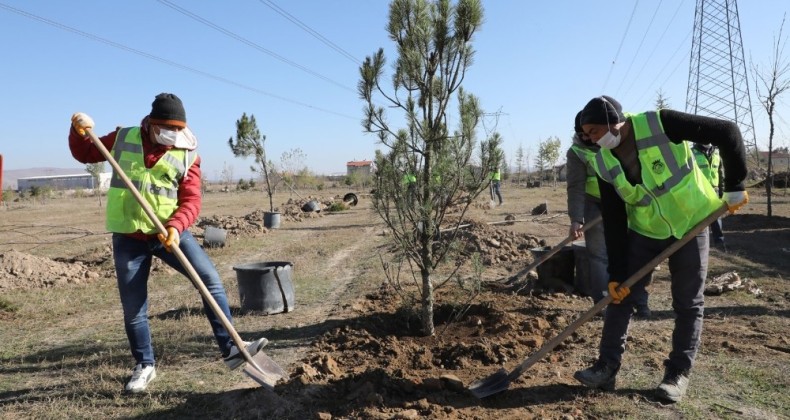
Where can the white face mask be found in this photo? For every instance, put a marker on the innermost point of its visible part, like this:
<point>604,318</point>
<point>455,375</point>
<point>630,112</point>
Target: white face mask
<point>609,140</point>
<point>167,137</point>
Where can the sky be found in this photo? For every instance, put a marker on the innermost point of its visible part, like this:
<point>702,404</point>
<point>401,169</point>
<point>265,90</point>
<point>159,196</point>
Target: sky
<point>295,66</point>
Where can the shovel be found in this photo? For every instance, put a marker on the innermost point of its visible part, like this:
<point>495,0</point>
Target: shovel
<point>543,258</point>
<point>266,373</point>
<point>501,380</point>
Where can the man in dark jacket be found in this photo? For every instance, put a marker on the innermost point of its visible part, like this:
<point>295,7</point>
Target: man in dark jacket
<point>653,193</point>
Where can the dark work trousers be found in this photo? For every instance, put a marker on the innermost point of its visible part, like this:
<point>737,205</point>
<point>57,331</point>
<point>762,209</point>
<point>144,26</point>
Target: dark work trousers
<point>716,234</point>
<point>688,269</point>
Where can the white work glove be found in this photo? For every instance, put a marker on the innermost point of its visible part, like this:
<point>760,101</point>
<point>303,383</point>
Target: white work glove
<point>735,200</point>
<point>81,121</point>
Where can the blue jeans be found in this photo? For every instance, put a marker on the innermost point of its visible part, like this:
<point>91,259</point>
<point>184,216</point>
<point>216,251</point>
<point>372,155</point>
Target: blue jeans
<point>495,189</point>
<point>688,268</point>
<point>133,265</point>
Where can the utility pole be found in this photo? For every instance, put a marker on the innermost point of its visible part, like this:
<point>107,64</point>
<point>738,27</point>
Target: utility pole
<point>718,85</point>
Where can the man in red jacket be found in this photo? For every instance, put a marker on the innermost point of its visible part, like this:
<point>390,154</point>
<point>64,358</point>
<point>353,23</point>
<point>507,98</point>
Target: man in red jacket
<point>159,158</point>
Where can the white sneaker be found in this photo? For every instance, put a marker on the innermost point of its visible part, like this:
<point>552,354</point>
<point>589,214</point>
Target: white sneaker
<point>234,359</point>
<point>141,376</point>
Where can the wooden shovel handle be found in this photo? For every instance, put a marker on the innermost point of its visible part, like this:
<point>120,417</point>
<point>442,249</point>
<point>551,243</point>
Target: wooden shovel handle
<point>193,275</point>
<point>650,266</point>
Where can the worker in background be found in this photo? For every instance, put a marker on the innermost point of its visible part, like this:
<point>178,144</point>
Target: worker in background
<point>159,157</point>
<point>709,162</point>
<point>410,183</point>
<point>584,205</point>
<point>495,185</point>
<point>652,194</point>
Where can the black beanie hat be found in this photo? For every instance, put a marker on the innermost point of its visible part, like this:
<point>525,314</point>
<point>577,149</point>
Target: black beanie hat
<point>167,109</point>
<point>577,123</point>
<point>602,110</point>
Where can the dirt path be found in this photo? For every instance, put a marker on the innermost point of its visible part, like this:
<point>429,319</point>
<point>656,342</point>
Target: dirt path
<point>350,234</point>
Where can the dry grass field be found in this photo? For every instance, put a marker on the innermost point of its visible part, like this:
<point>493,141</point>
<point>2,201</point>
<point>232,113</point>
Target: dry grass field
<point>350,347</point>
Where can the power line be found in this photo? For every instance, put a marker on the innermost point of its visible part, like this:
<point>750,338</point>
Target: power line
<point>245,41</point>
<point>657,44</point>
<point>636,3</point>
<point>310,30</point>
<point>678,49</point>
<point>639,48</point>
<point>165,61</point>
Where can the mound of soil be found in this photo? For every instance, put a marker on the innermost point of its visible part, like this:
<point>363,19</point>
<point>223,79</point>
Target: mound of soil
<point>372,367</point>
<point>24,271</point>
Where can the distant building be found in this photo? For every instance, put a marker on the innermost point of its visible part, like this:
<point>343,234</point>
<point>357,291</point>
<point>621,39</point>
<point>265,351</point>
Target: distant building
<point>359,167</point>
<point>65,182</point>
<point>780,159</point>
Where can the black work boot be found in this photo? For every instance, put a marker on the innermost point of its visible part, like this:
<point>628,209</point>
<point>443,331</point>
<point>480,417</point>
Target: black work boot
<point>674,385</point>
<point>600,376</point>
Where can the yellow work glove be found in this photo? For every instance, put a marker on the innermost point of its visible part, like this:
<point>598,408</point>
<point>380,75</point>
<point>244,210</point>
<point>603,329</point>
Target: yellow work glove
<point>618,293</point>
<point>81,121</point>
<point>172,239</point>
<point>735,200</point>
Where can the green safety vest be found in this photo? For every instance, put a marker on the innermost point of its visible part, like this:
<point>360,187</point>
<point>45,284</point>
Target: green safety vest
<point>495,176</point>
<point>709,168</point>
<point>588,157</point>
<point>674,194</point>
<point>158,185</point>
<point>409,179</point>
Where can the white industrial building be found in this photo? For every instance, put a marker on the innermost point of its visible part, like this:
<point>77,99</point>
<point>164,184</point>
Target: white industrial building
<point>65,182</point>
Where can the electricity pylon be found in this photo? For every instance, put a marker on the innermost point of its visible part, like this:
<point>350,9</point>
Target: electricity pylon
<point>718,83</point>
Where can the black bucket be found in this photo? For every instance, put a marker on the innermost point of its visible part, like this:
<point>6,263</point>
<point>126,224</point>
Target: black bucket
<point>214,237</point>
<point>311,206</point>
<point>266,286</point>
<point>582,263</point>
<point>557,272</point>
<point>271,220</point>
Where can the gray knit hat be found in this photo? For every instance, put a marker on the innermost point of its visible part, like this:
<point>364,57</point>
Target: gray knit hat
<point>167,109</point>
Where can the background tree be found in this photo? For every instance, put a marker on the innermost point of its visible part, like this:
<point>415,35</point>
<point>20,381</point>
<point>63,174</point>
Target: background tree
<point>662,102</point>
<point>519,163</point>
<point>227,175</point>
<point>548,154</point>
<point>250,142</point>
<point>291,163</point>
<point>433,40</point>
<point>774,81</point>
<point>96,169</point>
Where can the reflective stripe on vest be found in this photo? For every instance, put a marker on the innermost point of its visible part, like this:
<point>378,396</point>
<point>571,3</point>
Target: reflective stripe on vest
<point>709,168</point>
<point>588,157</point>
<point>158,185</point>
<point>666,168</point>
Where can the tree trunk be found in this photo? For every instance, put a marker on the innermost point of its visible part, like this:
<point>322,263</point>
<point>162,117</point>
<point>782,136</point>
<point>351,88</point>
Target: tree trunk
<point>426,314</point>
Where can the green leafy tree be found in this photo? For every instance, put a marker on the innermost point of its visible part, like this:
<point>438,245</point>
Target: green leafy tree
<point>548,154</point>
<point>433,40</point>
<point>250,142</point>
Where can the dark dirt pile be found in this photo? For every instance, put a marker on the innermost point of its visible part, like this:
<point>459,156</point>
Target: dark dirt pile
<point>377,367</point>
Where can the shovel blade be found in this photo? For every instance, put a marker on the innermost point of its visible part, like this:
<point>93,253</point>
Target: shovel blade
<point>268,375</point>
<point>491,385</point>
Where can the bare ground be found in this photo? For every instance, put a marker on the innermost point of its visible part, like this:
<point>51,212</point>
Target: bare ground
<point>352,348</point>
